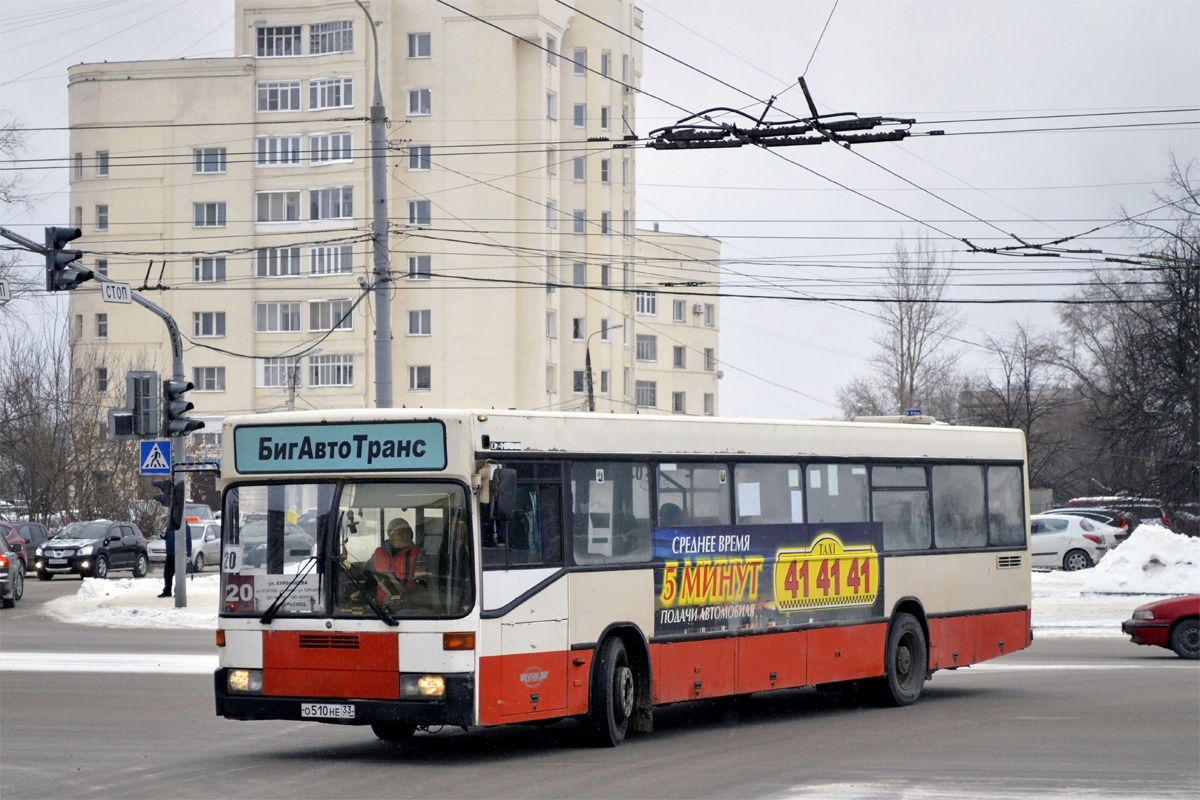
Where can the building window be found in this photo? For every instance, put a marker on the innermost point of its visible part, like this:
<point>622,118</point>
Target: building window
<point>208,323</point>
<point>279,40</point>
<point>579,168</point>
<point>551,105</point>
<point>420,322</point>
<point>678,401</point>
<point>279,96</point>
<point>326,147</point>
<point>330,93</point>
<point>101,379</point>
<point>551,379</point>
<point>604,170</point>
<point>678,309</point>
<point>101,163</point>
<point>209,379</point>
<point>625,71</point>
<point>209,215</point>
<point>335,203</point>
<point>419,158</point>
<point>276,317</point>
<point>420,268</point>
<point>605,382</point>
<point>331,370</point>
<point>278,207</point>
<point>578,329</point>
<point>710,314</point>
<point>102,266</point>
<point>646,394</point>
<point>419,103</point>
<point>604,117</point>
<point>551,324</point>
<point>77,217</point>
<point>579,115</point>
<point>418,45</point>
<point>78,163</point>
<point>102,326</point>
<point>551,274</point>
<point>647,347</point>
<point>625,382</point>
<point>420,212</point>
<point>208,270</point>
<point>708,404</point>
<point>605,63</point>
<point>679,357</point>
<point>578,381</point>
<point>551,51</point>
<point>710,359</point>
<point>277,262</point>
<point>330,315</point>
<point>578,220</point>
<point>605,223</point>
<point>209,159</point>
<point>336,260</point>
<point>646,303</point>
<point>579,273</point>
<point>625,224</point>
<point>551,214</point>
<point>605,275</point>
<point>580,59</point>
<point>102,217</point>
<point>277,371</point>
<point>604,329</point>
<point>331,37</point>
<point>275,150</point>
<point>419,379</point>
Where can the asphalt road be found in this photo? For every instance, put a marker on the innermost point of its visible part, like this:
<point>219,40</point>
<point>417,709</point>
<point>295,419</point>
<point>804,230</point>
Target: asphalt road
<point>1067,718</point>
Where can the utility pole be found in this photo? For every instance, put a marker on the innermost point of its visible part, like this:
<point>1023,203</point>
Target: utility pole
<point>587,363</point>
<point>379,235</point>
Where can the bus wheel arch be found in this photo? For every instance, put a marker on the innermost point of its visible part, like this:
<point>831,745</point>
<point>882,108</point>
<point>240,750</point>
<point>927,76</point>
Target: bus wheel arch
<point>619,688</point>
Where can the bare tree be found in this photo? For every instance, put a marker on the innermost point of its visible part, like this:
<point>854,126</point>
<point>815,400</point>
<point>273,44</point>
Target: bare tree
<point>13,194</point>
<point>913,368</point>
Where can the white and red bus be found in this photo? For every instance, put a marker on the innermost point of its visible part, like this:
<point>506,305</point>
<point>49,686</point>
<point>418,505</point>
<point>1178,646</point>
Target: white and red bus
<point>554,565</point>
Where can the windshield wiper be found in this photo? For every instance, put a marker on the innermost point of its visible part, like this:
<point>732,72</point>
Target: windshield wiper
<point>287,592</point>
<point>366,596</point>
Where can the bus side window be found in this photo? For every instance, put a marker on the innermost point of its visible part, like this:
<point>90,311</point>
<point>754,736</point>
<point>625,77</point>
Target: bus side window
<point>533,536</point>
<point>611,512</point>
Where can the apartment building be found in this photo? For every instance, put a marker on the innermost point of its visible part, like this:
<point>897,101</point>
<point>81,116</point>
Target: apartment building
<point>235,193</point>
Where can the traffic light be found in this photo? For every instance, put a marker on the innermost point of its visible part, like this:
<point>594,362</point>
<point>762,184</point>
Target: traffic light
<point>170,497</point>
<point>60,275</point>
<point>175,407</point>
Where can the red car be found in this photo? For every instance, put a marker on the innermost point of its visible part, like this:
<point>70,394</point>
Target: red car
<point>1172,623</point>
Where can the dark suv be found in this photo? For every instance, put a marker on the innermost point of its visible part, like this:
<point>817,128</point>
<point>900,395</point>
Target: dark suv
<point>91,549</point>
<point>23,538</point>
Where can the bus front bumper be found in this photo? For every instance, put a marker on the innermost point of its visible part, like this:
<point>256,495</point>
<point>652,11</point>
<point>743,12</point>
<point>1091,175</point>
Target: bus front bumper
<point>456,709</point>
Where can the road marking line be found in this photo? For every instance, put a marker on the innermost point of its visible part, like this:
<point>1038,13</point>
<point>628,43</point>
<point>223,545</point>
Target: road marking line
<point>172,663</point>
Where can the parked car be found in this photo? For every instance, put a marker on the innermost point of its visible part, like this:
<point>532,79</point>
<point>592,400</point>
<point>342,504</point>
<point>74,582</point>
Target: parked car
<point>206,545</point>
<point>1173,623</point>
<point>23,538</point>
<point>1142,509</point>
<point>200,511</point>
<point>1066,541</point>
<point>1123,523</point>
<point>12,576</point>
<point>92,549</point>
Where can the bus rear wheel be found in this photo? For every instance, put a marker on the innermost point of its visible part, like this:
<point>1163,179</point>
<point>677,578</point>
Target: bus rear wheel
<point>905,662</point>
<point>393,731</point>
<point>613,696</point>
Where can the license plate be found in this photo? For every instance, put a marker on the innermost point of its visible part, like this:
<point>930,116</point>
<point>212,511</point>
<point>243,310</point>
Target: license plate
<point>58,561</point>
<point>327,710</point>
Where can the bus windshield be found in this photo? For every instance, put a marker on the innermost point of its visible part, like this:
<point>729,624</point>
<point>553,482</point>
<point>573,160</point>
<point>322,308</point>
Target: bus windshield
<point>371,549</point>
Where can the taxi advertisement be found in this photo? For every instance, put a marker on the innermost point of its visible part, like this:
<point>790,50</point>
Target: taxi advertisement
<point>724,578</point>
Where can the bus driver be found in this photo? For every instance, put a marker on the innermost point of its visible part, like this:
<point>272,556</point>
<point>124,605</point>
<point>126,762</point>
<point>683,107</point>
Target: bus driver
<point>398,555</point>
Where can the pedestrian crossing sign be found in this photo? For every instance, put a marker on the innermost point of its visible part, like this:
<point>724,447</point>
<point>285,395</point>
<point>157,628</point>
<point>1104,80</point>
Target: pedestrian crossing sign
<point>156,457</point>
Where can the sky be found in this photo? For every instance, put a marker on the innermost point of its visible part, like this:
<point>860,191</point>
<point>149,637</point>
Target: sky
<point>1057,117</point>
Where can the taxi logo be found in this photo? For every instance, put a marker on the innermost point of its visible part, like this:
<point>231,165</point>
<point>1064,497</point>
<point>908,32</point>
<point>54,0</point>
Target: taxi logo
<point>533,677</point>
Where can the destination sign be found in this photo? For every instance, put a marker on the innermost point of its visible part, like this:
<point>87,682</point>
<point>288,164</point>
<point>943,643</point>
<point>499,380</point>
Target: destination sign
<point>349,447</point>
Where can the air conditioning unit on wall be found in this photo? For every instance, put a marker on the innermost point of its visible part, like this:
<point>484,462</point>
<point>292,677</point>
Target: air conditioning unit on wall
<point>698,308</point>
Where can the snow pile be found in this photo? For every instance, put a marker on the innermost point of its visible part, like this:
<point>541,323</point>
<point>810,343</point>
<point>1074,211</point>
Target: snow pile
<point>1153,560</point>
<point>1151,563</point>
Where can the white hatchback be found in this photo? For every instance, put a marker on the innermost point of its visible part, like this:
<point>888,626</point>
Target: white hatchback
<point>206,545</point>
<point>1064,541</point>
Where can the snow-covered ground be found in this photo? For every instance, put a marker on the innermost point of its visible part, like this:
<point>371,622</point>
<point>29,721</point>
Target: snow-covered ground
<point>1151,564</point>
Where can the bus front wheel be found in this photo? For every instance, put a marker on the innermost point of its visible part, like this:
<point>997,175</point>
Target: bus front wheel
<point>905,662</point>
<point>393,731</point>
<point>613,695</point>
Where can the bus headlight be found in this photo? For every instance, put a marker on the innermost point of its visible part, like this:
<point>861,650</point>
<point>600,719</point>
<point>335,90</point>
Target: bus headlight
<point>422,687</point>
<point>245,681</point>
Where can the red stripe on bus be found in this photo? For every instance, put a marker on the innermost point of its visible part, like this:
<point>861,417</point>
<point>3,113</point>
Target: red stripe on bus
<point>306,664</point>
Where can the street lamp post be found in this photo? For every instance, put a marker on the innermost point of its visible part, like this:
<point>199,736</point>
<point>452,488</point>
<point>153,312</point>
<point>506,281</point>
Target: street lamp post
<point>587,364</point>
<point>294,376</point>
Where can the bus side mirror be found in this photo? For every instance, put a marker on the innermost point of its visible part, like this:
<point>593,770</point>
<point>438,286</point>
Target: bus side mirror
<point>504,494</point>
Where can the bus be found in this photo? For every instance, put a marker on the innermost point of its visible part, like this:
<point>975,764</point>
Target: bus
<point>407,569</point>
